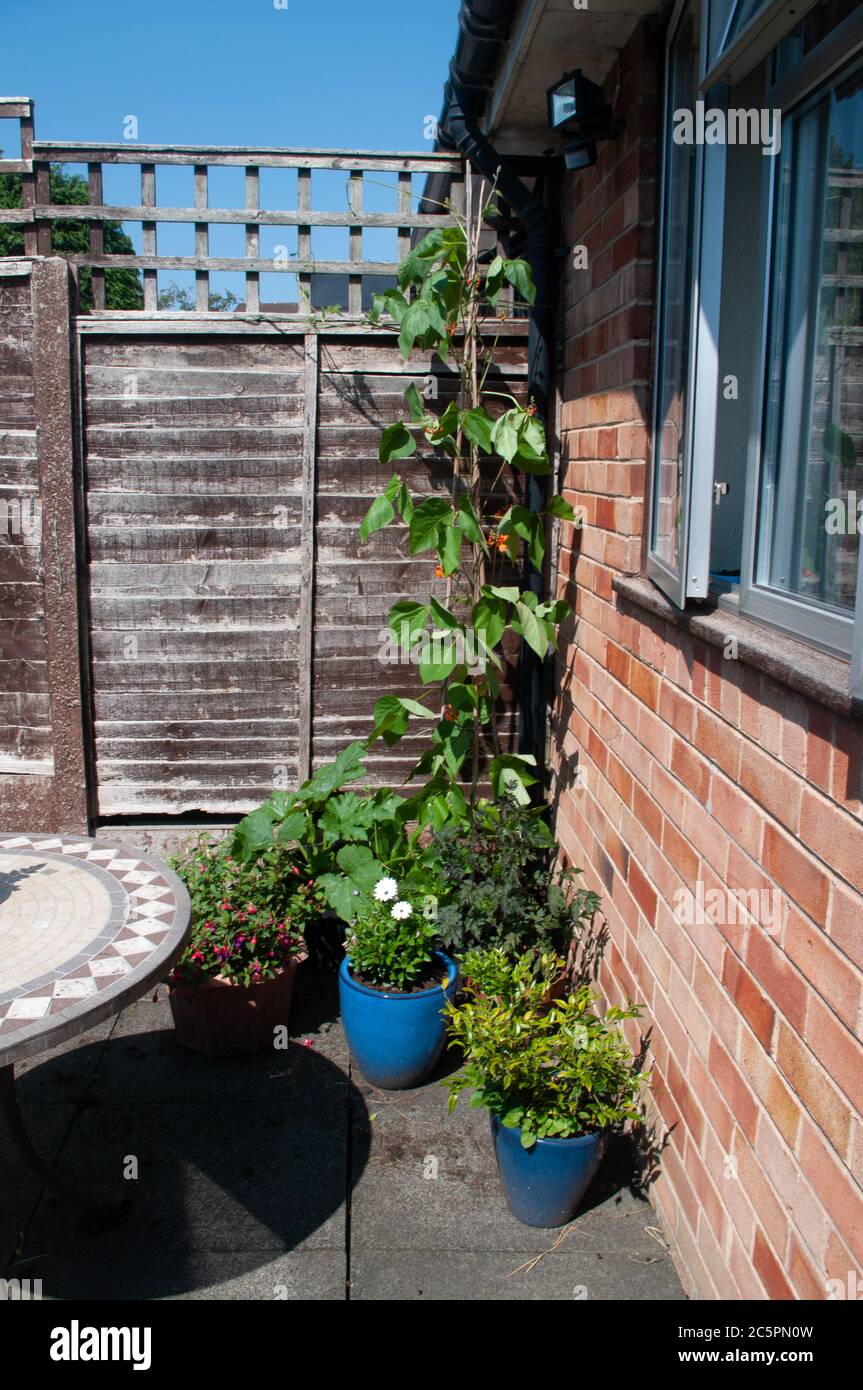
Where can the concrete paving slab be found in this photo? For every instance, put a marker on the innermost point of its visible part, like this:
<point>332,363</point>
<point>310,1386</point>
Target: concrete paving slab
<point>468,1276</point>
<point>300,1276</point>
<point>243,1179</point>
<point>48,1127</point>
<point>197,1275</point>
<point>80,1057</point>
<point>431,1183</point>
<point>144,1048</point>
<point>235,1175</point>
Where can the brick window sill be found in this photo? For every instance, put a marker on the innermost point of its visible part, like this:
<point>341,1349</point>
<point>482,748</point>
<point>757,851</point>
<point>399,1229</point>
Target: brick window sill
<point>816,675</point>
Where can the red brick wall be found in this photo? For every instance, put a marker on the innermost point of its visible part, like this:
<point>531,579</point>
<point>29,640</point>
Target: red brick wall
<point>697,768</point>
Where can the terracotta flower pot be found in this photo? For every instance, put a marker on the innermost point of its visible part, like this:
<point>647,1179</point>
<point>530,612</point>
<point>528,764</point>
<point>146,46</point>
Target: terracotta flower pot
<point>222,1019</point>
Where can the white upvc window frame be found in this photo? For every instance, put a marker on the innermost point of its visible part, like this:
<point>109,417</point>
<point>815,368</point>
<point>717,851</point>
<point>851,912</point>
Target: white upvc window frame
<point>839,633</point>
<point>692,579</point>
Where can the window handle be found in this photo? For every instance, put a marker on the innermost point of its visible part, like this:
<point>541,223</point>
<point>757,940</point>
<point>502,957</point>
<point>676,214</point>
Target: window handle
<point>720,490</point>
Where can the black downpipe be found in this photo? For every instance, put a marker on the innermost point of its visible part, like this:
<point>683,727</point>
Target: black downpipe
<point>460,128</point>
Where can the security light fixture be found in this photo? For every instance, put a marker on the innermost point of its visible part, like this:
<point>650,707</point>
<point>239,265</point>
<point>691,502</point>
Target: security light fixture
<point>580,154</point>
<point>578,107</point>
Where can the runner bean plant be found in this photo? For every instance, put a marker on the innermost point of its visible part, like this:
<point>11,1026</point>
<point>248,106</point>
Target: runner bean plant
<point>480,547</point>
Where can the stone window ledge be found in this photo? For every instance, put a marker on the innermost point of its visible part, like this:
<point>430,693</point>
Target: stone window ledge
<point>812,673</point>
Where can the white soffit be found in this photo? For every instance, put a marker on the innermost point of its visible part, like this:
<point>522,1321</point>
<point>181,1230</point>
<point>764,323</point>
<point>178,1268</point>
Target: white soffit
<point>549,37</point>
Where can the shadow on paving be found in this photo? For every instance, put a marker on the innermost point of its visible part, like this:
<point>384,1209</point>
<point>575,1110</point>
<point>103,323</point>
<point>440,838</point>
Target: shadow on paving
<point>429,1219</point>
<point>266,1177</point>
<point>242,1167</point>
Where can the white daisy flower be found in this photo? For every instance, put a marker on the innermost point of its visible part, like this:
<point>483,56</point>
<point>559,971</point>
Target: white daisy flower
<point>401,910</point>
<point>385,890</point>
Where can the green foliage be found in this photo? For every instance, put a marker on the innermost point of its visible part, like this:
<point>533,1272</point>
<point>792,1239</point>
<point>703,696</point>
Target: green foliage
<point>552,1067</point>
<point>178,299</point>
<point>72,237</point>
<point>501,887</point>
<point>442,304</point>
<point>392,942</point>
<point>519,275</point>
<point>248,918</point>
<point>343,839</point>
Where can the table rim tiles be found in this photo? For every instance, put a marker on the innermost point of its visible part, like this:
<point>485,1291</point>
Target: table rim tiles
<point>148,906</point>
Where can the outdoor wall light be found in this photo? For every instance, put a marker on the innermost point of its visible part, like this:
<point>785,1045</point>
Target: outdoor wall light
<point>577,106</point>
<point>580,154</point>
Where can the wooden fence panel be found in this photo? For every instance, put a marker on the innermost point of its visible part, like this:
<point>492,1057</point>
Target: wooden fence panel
<point>235,618</point>
<point>194,499</point>
<point>362,391</point>
<point>201,516</point>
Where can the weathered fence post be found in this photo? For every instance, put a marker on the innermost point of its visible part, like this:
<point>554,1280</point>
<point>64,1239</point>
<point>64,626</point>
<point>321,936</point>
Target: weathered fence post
<point>55,425</point>
<point>305,644</point>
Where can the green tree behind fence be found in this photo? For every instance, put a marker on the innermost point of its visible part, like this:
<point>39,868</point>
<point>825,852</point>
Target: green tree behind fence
<point>123,289</point>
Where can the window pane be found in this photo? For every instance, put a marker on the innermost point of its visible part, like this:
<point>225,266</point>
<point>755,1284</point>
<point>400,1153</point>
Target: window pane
<point>817,24</point>
<point>673,354</point>
<point>744,12</point>
<point>727,21</point>
<point>814,427</point>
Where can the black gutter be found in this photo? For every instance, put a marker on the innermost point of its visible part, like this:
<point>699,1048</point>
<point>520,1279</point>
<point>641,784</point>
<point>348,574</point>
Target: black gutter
<point>483,32</point>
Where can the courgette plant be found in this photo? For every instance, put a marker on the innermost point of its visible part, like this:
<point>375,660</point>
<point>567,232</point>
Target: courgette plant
<point>447,302</point>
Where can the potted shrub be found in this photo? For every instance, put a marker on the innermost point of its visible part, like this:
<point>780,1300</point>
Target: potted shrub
<point>503,886</point>
<point>233,985</point>
<point>393,987</point>
<point>556,1076</point>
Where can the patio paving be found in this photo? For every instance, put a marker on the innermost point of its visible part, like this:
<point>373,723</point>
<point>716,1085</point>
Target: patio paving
<point>288,1176</point>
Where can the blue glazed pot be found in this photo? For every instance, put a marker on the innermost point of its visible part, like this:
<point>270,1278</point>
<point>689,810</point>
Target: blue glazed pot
<point>395,1038</point>
<point>544,1185</point>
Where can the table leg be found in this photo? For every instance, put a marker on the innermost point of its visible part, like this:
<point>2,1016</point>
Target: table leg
<point>54,1183</point>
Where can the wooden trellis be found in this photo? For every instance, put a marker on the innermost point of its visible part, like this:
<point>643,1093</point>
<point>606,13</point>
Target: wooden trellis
<point>203,476</point>
<point>39,212</point>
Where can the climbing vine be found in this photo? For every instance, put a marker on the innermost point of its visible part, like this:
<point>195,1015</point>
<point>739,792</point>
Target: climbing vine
<point>480,535</point>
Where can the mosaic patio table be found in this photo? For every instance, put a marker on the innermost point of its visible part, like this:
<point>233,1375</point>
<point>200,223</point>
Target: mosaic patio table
<point>85,928</point>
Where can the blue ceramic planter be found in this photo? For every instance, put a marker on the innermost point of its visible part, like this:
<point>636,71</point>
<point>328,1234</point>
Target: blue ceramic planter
<point>395,1038</point>
<point>544,1185</point>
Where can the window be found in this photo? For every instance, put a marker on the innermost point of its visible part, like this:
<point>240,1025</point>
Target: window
<point>758,420</point>
<point>688,296</point>
<point>807,543</point>
<point>741,32</point>
<point>675,299</point>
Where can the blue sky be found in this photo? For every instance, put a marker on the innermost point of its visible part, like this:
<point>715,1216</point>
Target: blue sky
<point>359,74</point>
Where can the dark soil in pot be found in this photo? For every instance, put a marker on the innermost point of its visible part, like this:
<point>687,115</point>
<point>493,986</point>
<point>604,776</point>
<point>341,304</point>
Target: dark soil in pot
<point>430,977</point>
